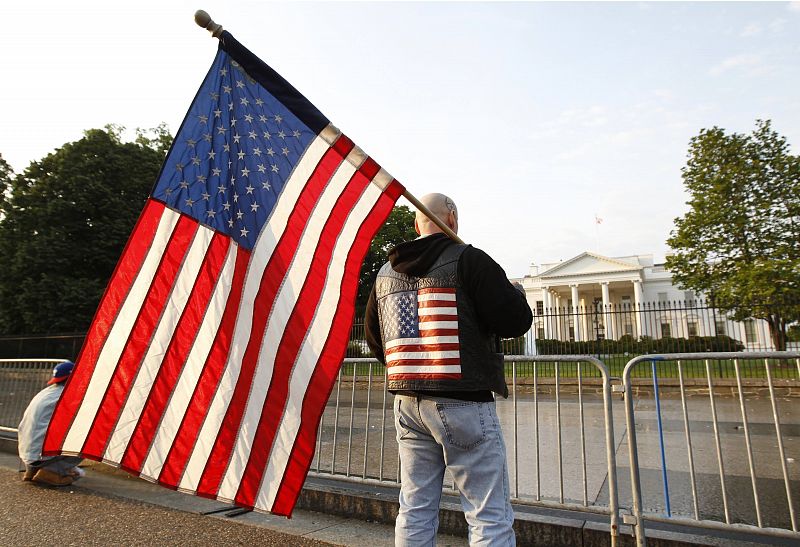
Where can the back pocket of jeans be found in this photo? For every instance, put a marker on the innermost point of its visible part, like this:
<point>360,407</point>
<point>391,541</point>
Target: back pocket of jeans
<point>400,426</point>
<point>463,423</point>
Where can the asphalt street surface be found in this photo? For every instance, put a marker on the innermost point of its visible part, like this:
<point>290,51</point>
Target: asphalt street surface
<point>38,515</point>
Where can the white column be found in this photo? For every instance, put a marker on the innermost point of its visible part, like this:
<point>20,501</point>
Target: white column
<point>558,318</point>
<point>576,318</point>
<point>608,319</point>
<point>548,309</point>
<point>637,302</point>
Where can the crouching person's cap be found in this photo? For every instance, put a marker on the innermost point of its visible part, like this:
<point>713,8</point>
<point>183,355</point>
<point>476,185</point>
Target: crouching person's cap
<point>61,372</point>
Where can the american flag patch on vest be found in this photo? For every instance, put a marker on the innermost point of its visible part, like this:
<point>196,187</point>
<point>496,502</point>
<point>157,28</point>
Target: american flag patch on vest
<point>420,331</point>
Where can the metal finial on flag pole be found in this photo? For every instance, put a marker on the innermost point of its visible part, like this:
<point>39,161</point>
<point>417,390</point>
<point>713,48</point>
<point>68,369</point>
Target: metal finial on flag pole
<point>203,19</point>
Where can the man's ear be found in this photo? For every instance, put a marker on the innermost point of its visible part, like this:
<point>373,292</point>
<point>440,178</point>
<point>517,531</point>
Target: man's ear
<point>416,227</point>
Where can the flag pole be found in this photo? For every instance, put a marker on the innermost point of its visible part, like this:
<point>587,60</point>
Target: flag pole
<point>203,19</point>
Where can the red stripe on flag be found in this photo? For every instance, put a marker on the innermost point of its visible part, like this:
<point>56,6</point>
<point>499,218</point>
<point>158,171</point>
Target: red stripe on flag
<point>184,441</point>
<point>176,354</point>
<point>438,332</point>
<point>437,289</point>
<point>139,339</point>
<point>431,318</point>
<point>437,304</point>
<point>343,145</point>
<point>116,291</point>
<point>293,336</point>
<point>324,376</point>
<point>271,280</point>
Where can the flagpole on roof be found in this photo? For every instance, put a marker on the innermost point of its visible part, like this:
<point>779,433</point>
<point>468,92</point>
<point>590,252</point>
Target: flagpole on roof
<point>203,19</point>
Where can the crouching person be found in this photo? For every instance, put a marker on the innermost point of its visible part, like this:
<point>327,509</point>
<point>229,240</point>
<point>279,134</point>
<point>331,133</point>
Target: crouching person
<point>55,470</point>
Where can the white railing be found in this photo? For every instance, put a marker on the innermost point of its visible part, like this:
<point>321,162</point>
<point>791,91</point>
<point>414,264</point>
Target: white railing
<point>711,446</point>
<point>712,426</point>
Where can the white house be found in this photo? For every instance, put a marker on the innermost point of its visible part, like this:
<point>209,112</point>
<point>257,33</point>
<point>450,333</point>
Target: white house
<point>592,296</point>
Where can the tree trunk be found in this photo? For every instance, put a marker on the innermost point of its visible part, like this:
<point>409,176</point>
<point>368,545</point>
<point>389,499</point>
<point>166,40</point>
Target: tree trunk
<point>777,331</point>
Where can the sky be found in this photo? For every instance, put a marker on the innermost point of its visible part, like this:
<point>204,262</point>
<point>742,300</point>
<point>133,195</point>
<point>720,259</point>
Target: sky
<point>536,118</point>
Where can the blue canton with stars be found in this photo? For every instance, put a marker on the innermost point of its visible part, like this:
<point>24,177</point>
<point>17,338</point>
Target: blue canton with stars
<point>400,313</point>
<point>233,154</point>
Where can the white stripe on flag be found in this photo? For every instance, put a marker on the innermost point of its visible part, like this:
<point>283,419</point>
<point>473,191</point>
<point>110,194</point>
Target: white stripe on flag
<point>285,302</point>
<point>428,340</point>
<point>184,387</point>
<point>140,389</point>
<point>401,355</point>
<point>118,336</point>
<point>438,369</point>
<point>435,325</point>
<point>261,253</point>
<point>437,311</point>
<point>382,179</point>
<point>310,351</point>
<point>424,297</point>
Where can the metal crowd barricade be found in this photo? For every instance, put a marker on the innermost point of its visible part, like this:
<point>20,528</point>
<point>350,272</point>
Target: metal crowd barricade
<point>550,398</point>
<point>727,428</point>
<point>20,380</point>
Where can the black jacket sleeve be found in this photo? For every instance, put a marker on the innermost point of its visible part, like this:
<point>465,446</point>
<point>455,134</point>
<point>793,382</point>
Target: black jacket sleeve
<point>372,327</point>
<point>501,307</point>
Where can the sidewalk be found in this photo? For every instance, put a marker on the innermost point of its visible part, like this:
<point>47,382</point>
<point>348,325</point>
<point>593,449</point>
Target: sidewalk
<point>109,506</point>
<point>108,496</point>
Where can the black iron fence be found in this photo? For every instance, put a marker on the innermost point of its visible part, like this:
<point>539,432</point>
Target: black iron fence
<point>41,346</point>
<point>614,333</point>
<point>649,327</point>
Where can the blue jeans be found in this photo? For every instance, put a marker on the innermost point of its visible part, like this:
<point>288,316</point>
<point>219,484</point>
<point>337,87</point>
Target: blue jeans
<point>434,433</point>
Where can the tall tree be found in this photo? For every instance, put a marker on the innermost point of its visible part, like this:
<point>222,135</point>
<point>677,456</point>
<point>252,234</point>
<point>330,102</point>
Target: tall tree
<point>67,218</point>
<point>398,227</point>
<point>6,178</point>
<point>738,243</point>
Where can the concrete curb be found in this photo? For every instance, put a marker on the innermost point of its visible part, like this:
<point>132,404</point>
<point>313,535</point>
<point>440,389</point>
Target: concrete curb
<point>533,525</point>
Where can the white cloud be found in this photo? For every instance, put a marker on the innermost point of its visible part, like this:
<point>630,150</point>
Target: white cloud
<point>777,25</point>
<point>752,29</point>
<point>664,94</point>
<point>746,60</point>
<point>794,6</point>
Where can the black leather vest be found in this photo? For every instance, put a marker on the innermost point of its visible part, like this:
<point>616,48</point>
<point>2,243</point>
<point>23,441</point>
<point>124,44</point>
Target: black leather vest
<point>432,339</point>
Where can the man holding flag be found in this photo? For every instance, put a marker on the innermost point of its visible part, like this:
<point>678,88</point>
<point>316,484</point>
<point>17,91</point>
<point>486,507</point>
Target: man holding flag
<point>433,317</point>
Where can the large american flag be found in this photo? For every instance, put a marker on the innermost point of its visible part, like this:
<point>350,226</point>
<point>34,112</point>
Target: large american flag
<point>421,334</point>
<point>215,347</point>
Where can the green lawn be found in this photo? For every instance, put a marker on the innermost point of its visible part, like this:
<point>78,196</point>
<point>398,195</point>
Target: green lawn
<point>748,368</point>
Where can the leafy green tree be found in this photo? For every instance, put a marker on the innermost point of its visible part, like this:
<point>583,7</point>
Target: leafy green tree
<point>67,218</point>
<point>157,138</point>
<point>6,177</point>
<point>793,333</point>
<point>738,243</point>
<point>398,227</point>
